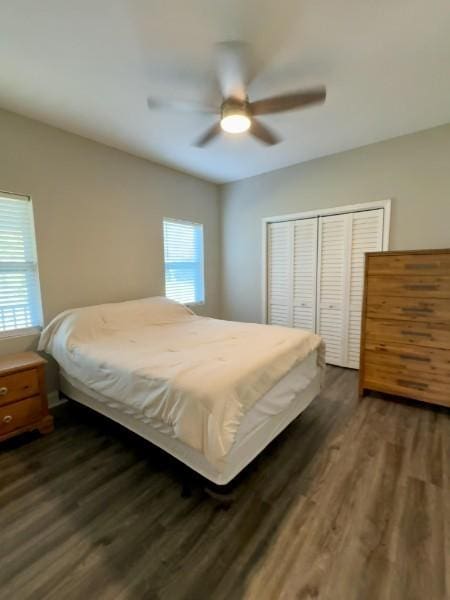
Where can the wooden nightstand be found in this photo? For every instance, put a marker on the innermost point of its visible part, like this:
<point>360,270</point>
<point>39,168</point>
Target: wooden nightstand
<point>23,398</point>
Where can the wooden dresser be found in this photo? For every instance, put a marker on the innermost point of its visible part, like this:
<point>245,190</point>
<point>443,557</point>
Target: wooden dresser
<point>405,336</point>
<point>23,398</point>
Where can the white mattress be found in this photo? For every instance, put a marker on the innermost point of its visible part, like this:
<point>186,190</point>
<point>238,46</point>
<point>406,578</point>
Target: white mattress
<point>279,397</point>
<point>261,424</point>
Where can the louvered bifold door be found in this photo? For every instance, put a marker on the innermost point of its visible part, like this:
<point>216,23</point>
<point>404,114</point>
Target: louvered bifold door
<point>366,236</point>
<point>305,274</point>
<point>279,273</point>
<point>332,285</point>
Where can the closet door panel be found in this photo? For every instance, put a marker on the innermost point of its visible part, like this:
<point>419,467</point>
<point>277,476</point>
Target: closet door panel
<point>366,236</point>
<point>332,283</point>
<point>279,273</point>
<point>305,273</point>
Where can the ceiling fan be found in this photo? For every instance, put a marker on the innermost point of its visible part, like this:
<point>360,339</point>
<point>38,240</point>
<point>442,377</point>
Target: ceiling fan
<point>237,113</point>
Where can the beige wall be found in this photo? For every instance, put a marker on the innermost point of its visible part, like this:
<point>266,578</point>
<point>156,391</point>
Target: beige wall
<point>98,214</point>
<point>413,170</point>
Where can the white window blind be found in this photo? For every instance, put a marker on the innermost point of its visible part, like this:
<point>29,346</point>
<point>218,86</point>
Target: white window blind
<point>183,261</point>
<point>20,303</point>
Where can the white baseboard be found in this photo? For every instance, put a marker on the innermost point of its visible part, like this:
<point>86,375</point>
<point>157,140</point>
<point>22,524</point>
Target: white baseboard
<point>54,399</point>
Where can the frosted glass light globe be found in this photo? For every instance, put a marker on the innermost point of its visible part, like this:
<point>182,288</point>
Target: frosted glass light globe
<point>235,123</point>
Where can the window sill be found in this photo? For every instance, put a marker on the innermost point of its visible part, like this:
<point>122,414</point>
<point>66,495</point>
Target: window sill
<point>15,333</point>
<point>191,304</point>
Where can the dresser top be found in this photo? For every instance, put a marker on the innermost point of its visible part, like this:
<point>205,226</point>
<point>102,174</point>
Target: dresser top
<point>400,252</point>
<point>20,362</point>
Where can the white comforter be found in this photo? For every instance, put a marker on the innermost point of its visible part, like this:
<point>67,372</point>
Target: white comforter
<point>197,375</point>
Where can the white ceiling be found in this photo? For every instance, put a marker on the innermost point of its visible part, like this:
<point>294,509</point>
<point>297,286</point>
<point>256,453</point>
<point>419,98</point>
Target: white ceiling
<point>87,66</point>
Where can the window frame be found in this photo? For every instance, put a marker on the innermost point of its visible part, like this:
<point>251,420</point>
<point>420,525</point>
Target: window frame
<point>34,329</point>
<point>202,257</point>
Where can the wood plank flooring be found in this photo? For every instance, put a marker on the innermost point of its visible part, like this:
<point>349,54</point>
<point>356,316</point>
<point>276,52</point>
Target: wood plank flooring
<point>351,502</point>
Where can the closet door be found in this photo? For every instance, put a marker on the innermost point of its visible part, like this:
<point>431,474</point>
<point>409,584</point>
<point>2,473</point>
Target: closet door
<point>315,277</point>
<point>279,273</point>
<point>343,241</point>
<point>332,282</point>
<point>366,236</point>
<point>305,274</point>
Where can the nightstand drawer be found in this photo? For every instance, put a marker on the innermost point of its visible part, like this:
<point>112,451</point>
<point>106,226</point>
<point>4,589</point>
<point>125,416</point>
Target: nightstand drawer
<point>16,386</point>
<point>20,414</point>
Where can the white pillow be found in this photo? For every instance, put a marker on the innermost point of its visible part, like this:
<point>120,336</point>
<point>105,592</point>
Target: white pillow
<point>148,311</point>
<point>90,322</point>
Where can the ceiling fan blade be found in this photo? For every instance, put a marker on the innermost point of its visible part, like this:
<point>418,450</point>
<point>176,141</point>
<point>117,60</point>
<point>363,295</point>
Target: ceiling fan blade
<point>208,136</point>
<point>263,133</point>
<point>179,105</point>
<point>233,69</point>
<point>291,101</point>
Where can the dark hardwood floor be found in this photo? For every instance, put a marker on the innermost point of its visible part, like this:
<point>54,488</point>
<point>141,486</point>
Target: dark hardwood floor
<point>351,502</point>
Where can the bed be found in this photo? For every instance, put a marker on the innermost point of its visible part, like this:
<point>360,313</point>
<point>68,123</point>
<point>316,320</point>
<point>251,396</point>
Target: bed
<point>212,393</point>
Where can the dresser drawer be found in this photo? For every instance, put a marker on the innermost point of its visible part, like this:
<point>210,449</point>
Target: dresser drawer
<point>22,384</point>
<point>433,335</point>
<point>20,414</point>
<point>414,359</point>
<point>410,384</point>
<point>408,309</point>
<point>409,264</point>
<point>409,286</point>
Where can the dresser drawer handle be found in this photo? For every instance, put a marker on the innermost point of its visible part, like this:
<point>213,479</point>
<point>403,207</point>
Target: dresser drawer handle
<point>414,357</point>
<point>412,384</point>
<point>421,286</point>
<point>422,266</point>
<point>427,311</point>
<point>7,419</point>
<point>3,391</point>
<point>417,333</point>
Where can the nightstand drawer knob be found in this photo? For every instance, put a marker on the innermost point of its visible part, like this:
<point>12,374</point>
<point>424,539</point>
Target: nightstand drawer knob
<point>7,419</point>
<point>3,391</point>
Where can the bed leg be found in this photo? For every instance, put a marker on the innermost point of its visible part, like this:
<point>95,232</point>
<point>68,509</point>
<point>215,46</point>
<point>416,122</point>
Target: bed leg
<point>223,495</point>
<point>186,489</point>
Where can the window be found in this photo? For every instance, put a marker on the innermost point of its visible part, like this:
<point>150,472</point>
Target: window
<point>183,261</point>
<point>20,304</point>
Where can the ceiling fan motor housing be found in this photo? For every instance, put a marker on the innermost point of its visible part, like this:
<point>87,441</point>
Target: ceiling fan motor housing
<point>233,106</point>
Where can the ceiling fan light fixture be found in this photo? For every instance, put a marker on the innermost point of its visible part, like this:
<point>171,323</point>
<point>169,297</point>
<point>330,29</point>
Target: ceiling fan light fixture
<point>235,118</point>
<point>235,123</point>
